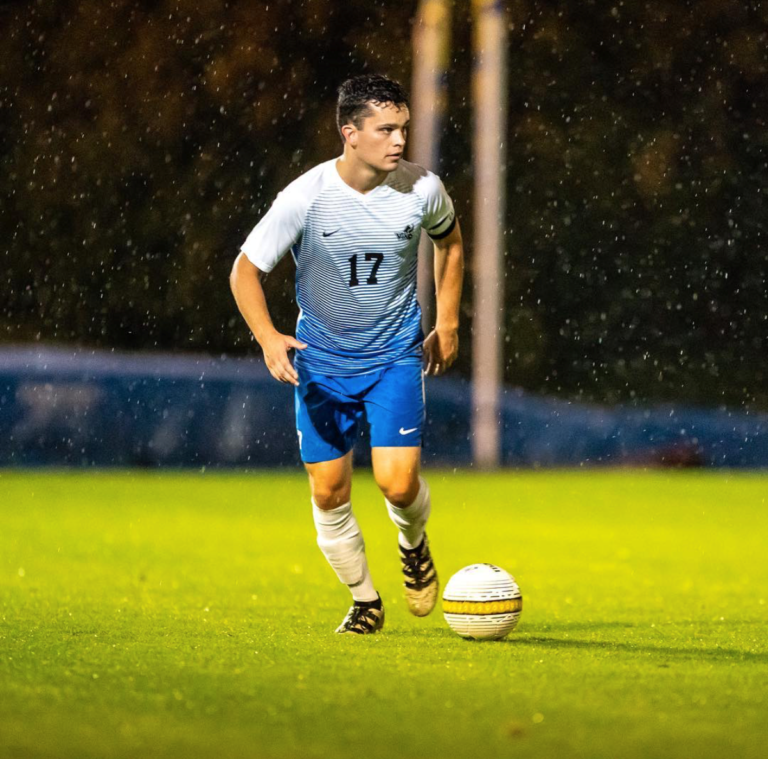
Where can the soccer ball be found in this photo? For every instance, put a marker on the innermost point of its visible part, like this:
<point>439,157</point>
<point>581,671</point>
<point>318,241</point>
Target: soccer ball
<point>482,601</point>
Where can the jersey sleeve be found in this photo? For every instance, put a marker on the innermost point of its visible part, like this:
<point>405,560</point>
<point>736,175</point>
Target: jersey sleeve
<point>439,215</point>
<point>279,229</point>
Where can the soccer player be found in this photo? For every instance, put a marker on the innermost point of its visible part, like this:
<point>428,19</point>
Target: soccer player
<point>353,225</point>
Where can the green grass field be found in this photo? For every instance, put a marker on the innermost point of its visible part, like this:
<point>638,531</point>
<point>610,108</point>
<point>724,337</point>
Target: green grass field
<point>191,615</point>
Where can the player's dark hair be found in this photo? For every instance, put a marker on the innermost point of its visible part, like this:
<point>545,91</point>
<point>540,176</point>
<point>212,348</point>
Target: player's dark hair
<point>357,93</point>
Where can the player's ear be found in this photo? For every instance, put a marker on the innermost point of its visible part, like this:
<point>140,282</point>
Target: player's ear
<point>350,134</point>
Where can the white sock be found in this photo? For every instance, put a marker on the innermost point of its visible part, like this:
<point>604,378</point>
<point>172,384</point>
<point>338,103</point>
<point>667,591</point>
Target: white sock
<point>412,520</point>
<point>340,540</point>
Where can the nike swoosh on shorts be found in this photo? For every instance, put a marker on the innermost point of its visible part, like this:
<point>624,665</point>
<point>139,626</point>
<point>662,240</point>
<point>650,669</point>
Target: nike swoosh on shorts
<point>407,432</point>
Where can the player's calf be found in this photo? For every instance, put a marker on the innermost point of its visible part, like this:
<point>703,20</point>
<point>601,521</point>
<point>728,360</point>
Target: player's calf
<point>421,582</point>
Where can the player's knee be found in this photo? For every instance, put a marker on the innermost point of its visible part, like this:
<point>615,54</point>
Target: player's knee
<point>330,495</point>
<point>401,491</point>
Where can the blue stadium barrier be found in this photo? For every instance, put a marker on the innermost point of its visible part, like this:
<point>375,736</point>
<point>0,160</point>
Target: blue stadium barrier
<point>60,407</point>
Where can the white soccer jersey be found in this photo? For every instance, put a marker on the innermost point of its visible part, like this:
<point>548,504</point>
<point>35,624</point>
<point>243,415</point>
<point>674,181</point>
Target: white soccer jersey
<point>356,262</point>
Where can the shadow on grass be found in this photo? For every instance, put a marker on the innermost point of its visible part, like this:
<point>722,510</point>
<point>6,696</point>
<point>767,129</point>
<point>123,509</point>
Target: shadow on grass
<point>665,652</point>
<point>569,627</point>
<point>531,639</point>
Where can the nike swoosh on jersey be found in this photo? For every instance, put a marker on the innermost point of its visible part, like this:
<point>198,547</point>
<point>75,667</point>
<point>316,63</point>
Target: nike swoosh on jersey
<point>407,432</point>
<point>328,234</point>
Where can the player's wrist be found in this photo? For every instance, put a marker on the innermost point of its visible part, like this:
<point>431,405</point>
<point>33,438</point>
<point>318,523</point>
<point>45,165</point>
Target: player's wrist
<point>266,337</point>
<point>447,326</point>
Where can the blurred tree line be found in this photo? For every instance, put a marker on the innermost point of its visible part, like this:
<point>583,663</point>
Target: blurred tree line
<point>140,141</point>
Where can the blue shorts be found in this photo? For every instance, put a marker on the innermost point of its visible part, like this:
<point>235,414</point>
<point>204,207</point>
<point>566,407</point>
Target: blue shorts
<point>329,410</point>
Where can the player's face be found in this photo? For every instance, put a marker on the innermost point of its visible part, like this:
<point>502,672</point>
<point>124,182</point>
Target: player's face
<point>381,140</point>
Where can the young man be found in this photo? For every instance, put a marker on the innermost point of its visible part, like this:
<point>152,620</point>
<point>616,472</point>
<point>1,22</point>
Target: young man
<point>353,225</point>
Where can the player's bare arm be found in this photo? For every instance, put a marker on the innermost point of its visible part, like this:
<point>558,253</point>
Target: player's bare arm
<point>442,344</point>
<point>245,281</point>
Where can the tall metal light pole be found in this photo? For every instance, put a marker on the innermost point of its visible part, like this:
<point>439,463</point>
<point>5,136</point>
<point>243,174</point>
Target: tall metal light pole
<point>489,89</point>
<point>431,47</point>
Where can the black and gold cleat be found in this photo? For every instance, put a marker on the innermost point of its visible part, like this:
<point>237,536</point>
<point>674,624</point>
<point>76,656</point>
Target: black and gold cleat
<point>421,583</point>
<point>363,618</point>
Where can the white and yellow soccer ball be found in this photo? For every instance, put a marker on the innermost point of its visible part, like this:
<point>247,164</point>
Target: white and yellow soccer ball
<point>482,601</point>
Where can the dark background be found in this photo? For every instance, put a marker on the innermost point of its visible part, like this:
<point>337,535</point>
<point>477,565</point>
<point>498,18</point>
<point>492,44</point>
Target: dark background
<point>141,141</point>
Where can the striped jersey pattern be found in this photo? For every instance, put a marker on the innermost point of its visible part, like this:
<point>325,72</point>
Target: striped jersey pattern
<point>356,263</point>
